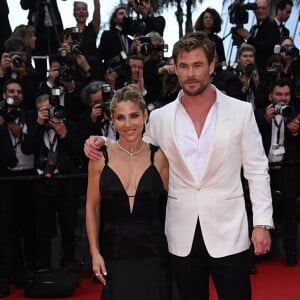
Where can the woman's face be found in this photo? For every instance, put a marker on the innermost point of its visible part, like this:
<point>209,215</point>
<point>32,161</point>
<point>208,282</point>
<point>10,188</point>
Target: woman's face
<point>208,20</point>
<point>129,120</point>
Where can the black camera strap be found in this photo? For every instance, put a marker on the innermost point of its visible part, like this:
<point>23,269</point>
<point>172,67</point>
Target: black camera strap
<point>278,126</point>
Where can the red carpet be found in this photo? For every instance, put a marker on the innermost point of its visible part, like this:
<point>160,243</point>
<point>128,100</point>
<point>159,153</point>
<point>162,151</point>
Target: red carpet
<point>274,281</point>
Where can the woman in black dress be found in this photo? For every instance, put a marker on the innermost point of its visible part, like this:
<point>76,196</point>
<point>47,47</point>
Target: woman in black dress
<point>126,199</point>
<point>210,22</point>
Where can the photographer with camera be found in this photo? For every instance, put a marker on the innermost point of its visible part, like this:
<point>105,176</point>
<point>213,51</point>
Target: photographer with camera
<point>15,210</point>
<point>96,120</point>
<point>146,22</point>
<point>263,36</point>
<point>114,41</point>
<point>57,151</point>
<point>151,48</point>
<point>247,73</point>
<point>279,127</point>
<point>274,71</point>
<point>13,65</point>
<point>88,33</point>
<point>61,77</point>
<point>84,67</point>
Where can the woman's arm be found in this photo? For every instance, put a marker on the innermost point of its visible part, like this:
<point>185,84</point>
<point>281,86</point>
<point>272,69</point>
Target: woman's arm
<point>93,202</point>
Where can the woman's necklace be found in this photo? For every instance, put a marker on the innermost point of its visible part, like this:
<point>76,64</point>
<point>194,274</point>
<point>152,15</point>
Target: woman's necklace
<point>133,153</point>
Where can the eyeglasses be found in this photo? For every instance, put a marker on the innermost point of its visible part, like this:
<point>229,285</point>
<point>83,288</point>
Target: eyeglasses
<point>208,17</point>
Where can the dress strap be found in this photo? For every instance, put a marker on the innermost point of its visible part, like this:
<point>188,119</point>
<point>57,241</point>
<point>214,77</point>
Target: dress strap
<point>103,149</point>
<point>153,149</point>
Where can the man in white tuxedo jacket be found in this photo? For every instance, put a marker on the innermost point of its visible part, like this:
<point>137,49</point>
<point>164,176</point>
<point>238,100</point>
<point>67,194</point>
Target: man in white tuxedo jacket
<point>207,138</point>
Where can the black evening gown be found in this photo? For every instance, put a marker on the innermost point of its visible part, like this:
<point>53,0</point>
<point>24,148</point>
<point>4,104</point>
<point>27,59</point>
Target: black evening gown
<point>133,244</point>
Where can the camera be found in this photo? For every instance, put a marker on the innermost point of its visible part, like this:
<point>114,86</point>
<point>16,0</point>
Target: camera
<point>106,96</point>
<point>57,111</point>
<point>282,109</point>
<point>245,71</point>
<point>238,12</point>
<point>275,69</point>
<point>147,47</point>
<point>16,60</point>
<point>119,65</point>
<point>7,110</point>
<point>291,51</point>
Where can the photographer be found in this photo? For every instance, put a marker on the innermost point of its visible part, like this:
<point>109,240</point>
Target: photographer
<point>88,32</point>
<point>274,71</point>
<point>96,120</point>
<point>247,73</point>
<point>279,128</point>
<point>56,147</point>
<point>151,47</point>
<point>147,22</point>
<point>263,36</point>
<point>61,77</point>
<point>85,67</point>
<point>13,65</point>
<point>15,209</point>
<point>114,41</point>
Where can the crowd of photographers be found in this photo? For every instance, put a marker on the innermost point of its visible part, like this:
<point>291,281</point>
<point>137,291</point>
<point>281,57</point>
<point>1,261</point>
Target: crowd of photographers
<point>46,113</point>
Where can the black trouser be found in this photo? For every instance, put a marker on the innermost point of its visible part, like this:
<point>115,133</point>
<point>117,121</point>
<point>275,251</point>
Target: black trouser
<point>290,187</point>
<point>16,227</point>
<point>230,273</point>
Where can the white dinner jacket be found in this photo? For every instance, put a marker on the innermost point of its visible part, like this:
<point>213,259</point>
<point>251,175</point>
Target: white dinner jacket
<point>217,198</point>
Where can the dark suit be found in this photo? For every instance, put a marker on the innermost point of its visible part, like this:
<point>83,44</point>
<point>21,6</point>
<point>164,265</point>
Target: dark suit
<point>5,29</point>
<point>286,179</point>
<point>264,40</point>
<point>284,32</point>
<point>111,44</point>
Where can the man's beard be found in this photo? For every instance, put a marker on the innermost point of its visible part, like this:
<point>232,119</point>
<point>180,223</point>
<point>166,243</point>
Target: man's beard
<point>194,92</point>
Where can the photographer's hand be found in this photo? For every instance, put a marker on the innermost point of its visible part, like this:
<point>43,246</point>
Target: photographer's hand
<point>43,115</point>
<point>111,77</point>
<point>59,128</point>
<point>269,112</point>
<point>2,121</point>
<point>21,71</point>
<point>293,126</point>
<point>5,63</point>
<point>83,64</point>
<point>244,33</point>
<point>96,112</point>
<point>15,129</point>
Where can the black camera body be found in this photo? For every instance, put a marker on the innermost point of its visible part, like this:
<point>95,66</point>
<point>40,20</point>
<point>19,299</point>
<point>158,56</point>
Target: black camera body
<point>291,51</point>
<point>283,109</point>
<point>275,69</point>
<point>245,71</point>
<point>119,65</point>
<point>106,96</point>
<point>238,12</point>
<point>16,60</point>
<point>147,47</point>
<point>57,111</point>
<point>8,111</point>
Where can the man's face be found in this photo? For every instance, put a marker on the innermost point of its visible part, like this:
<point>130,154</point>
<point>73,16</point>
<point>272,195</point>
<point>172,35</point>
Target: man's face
<point>14,90</point>
<point>194,71</point>
<point>280,94</point>
<point>246,58</point>
<point>285,13</point>
<point>120,16</point>
<point>81,13</point>
<point>262,10</point>
<point>137,66</point>
<point>145,7</point>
